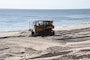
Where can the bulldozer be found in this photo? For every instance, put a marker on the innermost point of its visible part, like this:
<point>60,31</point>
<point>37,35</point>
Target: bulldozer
<point>43,28</point>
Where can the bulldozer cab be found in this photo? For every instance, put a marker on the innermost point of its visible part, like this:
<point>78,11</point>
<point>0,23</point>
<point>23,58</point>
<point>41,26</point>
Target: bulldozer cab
<point>44,23</point>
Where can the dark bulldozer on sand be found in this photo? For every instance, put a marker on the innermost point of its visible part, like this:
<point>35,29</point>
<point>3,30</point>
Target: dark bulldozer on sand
<point>43,28</point>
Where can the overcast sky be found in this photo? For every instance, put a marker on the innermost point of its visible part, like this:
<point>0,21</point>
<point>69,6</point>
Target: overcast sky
<point>44,4</point>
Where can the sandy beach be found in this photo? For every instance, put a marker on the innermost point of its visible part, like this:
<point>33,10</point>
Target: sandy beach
<point>68,43</point>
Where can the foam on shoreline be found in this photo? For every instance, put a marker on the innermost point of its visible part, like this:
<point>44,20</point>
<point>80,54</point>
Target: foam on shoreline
<point>79,26</point>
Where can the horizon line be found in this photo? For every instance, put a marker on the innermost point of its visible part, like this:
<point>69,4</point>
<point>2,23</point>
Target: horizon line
<point>40,9</point>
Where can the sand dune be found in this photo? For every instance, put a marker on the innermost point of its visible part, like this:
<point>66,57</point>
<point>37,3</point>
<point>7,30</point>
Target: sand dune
<point>73,44</point>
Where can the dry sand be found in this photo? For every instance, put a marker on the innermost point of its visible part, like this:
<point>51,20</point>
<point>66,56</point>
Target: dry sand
<point>69,43</point>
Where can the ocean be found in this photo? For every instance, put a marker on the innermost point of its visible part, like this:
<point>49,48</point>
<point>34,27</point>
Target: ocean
<point>21,19</point>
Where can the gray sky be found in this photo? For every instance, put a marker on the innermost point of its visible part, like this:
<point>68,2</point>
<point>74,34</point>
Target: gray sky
<point>44,4</point>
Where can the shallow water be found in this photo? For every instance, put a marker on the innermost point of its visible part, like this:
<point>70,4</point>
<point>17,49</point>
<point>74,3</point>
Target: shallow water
<point>12,19</point>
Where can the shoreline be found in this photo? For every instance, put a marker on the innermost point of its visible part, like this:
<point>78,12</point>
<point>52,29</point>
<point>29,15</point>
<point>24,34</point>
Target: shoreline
<point>79,26</point>
<point>28,33</point>
<point>57,28</point>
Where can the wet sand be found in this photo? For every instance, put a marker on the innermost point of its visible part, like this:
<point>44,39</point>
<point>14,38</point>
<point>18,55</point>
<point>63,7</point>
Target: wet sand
<point>69,43</point>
